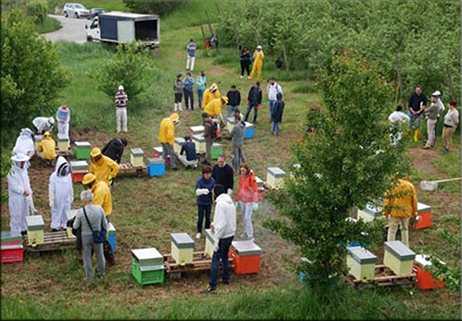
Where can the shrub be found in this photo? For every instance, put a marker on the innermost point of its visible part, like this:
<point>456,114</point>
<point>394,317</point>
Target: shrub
<point>156,7</point>
<point>38,10</point>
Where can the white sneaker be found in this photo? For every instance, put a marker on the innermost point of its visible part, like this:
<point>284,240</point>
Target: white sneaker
<point>241,77</point>
<point>248,77</point>
<point>198,235</point>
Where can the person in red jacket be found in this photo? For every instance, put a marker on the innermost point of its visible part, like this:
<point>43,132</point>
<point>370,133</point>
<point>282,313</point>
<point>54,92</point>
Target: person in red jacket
<point>247,196</point>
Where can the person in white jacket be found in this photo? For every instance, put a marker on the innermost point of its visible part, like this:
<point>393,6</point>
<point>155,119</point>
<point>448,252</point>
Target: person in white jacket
<point>43,124</point>
<point>19,191</point>
<point>63,116</point>
<point>224,228</point>
<point>61,194</point>
<point>397,118</point>
<point>25,143</point>
<point>273,89</point>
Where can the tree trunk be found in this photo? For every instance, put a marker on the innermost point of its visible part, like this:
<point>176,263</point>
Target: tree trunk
<point>255,35</point>
<point>399,88</point>
<point>451,84</point>
<point>202,29</point>
<point>284,52</point>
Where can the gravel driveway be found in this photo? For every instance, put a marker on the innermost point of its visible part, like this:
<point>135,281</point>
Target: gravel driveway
<point>72,30</point>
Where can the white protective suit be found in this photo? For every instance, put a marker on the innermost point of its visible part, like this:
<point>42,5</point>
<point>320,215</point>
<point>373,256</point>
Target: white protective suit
<point>25,143</point>
<point>19,204</point>
<point>43,124</point>
<point>63,117</point>
<point>61,193</point>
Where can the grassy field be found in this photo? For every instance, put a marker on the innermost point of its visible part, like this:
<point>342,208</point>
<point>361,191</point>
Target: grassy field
<point>147,210</point>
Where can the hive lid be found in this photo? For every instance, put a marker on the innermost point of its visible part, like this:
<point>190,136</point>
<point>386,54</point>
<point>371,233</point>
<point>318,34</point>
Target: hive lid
<point>35,222</point>
<point>424,260</point>
<point>248,125</point>
<point>401,251</point>
<point>199,128</point>
<point>246,248</point>
<point>146,254</point>
<point>231,120</point>
<point>12,247</point>
<point>217,145</point>
<point>179,140</point>
<point>82,144</point>
<point>210,236</point>
<point>14,235</point>
<point>199,138</point>
<point>259,181</point>
<point>151,268</point>
<point>63,137</point>
<point>40,137</point>
<point>110,228</point>
<point>361,255</point>
<point>158,160</point>
<point>276,171</point>
<point>373,210</point>
<point>80,163</point>
<point>136,151</point>
<point>70,214</point>
<point>182,240</point>
<point>158,149</point>
<point>422,208</point>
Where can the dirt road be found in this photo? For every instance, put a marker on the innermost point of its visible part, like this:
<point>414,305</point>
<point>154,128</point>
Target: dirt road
<point>72,30</point>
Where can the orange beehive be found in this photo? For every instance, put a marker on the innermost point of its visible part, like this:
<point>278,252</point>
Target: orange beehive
<point>246,256</point>
<point>423,219</point>
<point>424,279</point>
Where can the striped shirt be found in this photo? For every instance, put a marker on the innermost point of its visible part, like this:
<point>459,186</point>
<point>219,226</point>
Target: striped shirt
<point>121,99</point>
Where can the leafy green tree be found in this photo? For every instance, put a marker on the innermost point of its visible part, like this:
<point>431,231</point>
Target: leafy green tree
<point>347,162</point>
<point>38,10</point>
<point>31,76</point>
<point>156,7</point>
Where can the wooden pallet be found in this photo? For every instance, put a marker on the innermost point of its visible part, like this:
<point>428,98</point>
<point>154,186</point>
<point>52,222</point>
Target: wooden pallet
<point>69,152</point>
<point>383,277</point>
<point>129,168</point>
<point>201,262</point>
<point>53,241</point>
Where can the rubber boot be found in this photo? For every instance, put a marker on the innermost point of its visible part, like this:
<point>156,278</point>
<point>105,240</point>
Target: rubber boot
<point>176,106</point>
<point>179,105</point>
<point>416,135</point>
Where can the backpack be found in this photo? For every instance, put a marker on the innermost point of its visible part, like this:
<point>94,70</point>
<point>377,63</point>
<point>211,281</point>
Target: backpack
<point>215,132</point>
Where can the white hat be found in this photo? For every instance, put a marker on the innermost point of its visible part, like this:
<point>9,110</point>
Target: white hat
<point>51,120</point>
<point>20,157</point>
<point>258,47</point>
<point>121,87</point>
<point>436,93</point>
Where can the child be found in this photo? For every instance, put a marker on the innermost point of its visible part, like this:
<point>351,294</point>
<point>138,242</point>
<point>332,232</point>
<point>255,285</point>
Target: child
<point>204,187</point>
<point>178,89</point>
<point>276,117</point>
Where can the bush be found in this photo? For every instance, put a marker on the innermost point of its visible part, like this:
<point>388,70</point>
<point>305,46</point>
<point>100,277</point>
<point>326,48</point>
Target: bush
<point>156,7</point>
<point>38,10</point>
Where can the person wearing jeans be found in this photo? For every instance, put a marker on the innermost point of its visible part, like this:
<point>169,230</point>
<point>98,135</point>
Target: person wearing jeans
<point>273,89</point>
<point>191,55</point>
<point>432,114</point>
<point>451,119</point>
<point>254,101</point>
<point>276,116</point>
<point>247,196</point>
<point>204,187</point>
<point>167,137</point>
<point>201,82</point>
<point>224,228</point>
<point>188,91</point>
<point>234,100</point>
<point>237,141</point>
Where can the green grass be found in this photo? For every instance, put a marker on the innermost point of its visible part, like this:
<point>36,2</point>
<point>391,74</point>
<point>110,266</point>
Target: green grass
<point>108,5</point>
<point>48,25</point>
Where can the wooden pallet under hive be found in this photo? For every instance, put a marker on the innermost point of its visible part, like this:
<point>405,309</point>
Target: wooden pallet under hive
<point>52,241</point>
<point>201,262</point>
<point>129,168</point>
<point>69,152</point>
<point>383,277</point>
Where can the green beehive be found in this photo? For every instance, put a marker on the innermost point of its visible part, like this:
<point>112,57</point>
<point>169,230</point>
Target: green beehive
<point>398,258</point>
<point>361,263</point>
<point>82,150</point>
<point>217,150</point>
<point>35,229</point>
<point>147,266</point>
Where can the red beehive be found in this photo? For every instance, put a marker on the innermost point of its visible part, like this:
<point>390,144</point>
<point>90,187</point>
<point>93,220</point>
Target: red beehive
<point>424,279</point>
<point>246,256</point>
<point>423,219</point>
<point>78,170</point>
<point>12,253</point>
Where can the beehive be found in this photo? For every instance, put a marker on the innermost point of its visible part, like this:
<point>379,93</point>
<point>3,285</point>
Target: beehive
<point>12,253</point>
<point>111,236</point>
<point>230,124</point>
<point>35,229</point>
<point>147,266</point>
<point>11,237</point>
<point>136,157</point>
<point>196,130</point>
<point>246,257</point>
<point>249,131</point>
<point>261,188</point>
<point>424,279</point>
<point>82,150</point>
<point>361,263</point>
<point>78,170</point>
<point>182,248</point>
<point>179,142</point>
<point>199,140</point>
<point>398,257</point>
<point>275,177</point>
<point>70,214</point>
<point>210,240</point>
<point>37,140</point>
<point>217,150</point>
<point>63,143</point>
<point>370,213</point>
<point>424,217</point>
<point>156,167</point>
<point>157,152</point>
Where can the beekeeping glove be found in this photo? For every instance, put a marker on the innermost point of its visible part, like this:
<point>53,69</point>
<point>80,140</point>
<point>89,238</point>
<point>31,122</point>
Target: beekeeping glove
<point>230,191</point>
<point>215,246</point>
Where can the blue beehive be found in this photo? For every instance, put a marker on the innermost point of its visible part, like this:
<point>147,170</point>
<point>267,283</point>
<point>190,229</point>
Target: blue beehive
<point>111,235</point>
<point>156,167</point>
<point>249,131</point>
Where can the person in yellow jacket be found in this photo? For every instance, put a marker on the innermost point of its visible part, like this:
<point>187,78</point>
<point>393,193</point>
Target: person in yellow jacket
<point>104,168</point>
<point>101,193</point>
<point>210,94</point>
<point>46,148</point>
<point>167,138</point>
<point>258,57</point>
<point>401,204</point>
<point>213,108</point>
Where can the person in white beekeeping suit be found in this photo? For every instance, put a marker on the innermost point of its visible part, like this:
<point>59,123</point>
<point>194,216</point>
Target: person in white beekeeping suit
<point>19,191</point>
<point>63,116</point>
<point>61,194</point>
<point>43,124</point>
<point>25,143</point>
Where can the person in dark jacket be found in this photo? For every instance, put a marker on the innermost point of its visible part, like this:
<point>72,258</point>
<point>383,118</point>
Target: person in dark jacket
<point>276,117</point>
<point>223,174</point>
<point>245,62</point>
<point>204,187</point>
<point>254,101</point>
<point>234,100</point>
<point>190,159</point>
<point>114,149</point>
<point>417,104</point>
<point>208,127</point>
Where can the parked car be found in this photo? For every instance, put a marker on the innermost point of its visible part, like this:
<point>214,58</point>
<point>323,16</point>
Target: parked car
<point>94,12</point>
<point>75,10</point>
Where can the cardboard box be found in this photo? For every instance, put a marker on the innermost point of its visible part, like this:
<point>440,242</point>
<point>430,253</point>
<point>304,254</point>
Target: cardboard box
<point>147,266</point>
<point>249,131</point>
<point>399,258</point>
<point>275,177</point>
<point>246,257</point>
<point>210,240</point>
<point>199,140</point>
<point>424,279</point>
<point>217,150</point>
<point>423,219</point>
<point>370,213</point>
<point>78,170</point>
<point>182,248</point>
<point>179,142</point>
<point>35,229</point>
<point>82,150</point>
<point>361,263</point>
<point>196,130</point>
<point>12,253</point>
<point>156,167</point>
<point>70,214</point>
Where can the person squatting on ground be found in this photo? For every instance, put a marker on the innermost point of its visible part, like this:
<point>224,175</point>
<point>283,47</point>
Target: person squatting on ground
<point>224,228</point>
<point>451,119</point>
<point>63,116</point>
<point>167,138</point>
<point>91,218</point>
<point>237,141</point>
<point>121,100</point>
<point>247,196</point>
<point>114,149</point>
<point>104,168</point>
<point>189,148</point>
<point>417,104</point>
<point>258,57</point>
<point>60,194</point>
<point>276,116</point>
<point>47,149</point>
<point>204,187</point>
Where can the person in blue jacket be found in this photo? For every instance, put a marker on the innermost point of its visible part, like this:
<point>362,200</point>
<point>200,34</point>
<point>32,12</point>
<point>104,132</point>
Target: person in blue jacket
<point>204,188</point>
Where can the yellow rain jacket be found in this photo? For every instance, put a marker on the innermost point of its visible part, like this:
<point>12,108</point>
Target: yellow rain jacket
<point>209,96</point>
<point>104,168</point>
<point>47,148</point>
<point>257,63</point>
<point>167,130</point>
<point>213,108</point>
<point>102,196</point>
<point>401,200</point>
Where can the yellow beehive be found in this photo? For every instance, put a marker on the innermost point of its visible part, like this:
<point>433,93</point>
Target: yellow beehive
<point>70,214</point>
<point>230,124</point>
<point>399,258</point>
<point>182,248</point>
<point>35,229</point>
<point>210,240</point>
<point>275,177</point>
<point>63,143</point>
<point>136,157</point>
<point>179,142</point>
<point>199,140</point>
<point>361,263</point>
<point>370,213</point>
